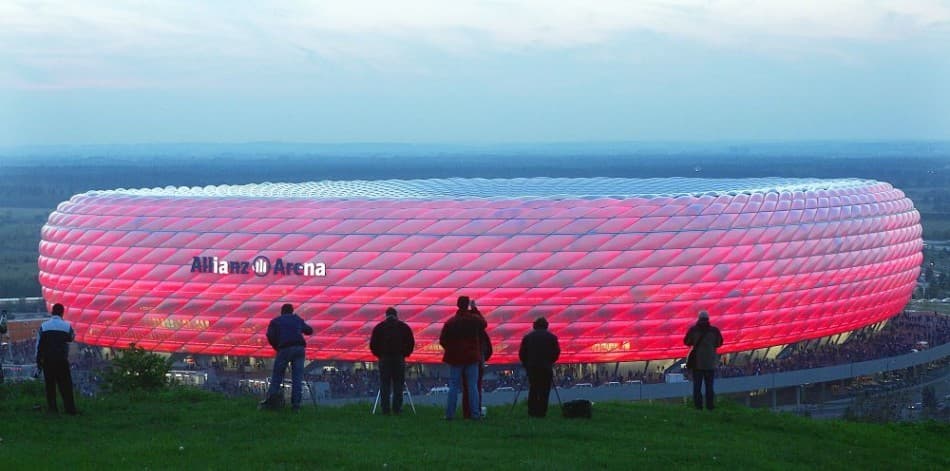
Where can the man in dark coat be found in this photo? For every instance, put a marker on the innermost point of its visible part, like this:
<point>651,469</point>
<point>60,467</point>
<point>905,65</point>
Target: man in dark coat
<point>285,335</point>
<point>705,339</point>
<point>52,356</point>
<point>460,340</point>
<point>392,341</point>
<point>538,353</point>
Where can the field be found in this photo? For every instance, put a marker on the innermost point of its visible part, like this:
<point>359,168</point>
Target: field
<point>189,429</point>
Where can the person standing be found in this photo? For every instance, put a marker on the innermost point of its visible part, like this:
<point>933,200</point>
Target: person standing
<point>3,330</point>
<point>392,341</point>
<point>538,353</point>
<point>461,344</point>
<point>484,343</point>
<point>285,335</point>
<point>705,339</point>
<point>52,356</point>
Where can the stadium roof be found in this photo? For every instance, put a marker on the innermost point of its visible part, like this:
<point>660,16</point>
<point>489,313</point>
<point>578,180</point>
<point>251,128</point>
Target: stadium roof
<point>468,188</point>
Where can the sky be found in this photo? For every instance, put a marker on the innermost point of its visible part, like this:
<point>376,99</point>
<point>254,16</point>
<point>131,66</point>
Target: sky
<point>76,72</point>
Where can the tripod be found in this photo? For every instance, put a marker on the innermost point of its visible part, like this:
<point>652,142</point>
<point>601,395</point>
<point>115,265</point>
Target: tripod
<point>309,385</point>
<point>405,392</point>
<point>553,386</point>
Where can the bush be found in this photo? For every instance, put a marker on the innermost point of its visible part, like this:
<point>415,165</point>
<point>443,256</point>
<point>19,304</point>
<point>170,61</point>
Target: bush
<point>136,369</point>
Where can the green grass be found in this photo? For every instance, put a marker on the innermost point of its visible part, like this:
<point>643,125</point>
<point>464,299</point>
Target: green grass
<point>188,429</point>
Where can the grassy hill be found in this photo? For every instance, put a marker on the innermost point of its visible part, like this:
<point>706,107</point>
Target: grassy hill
<point>189,429</point>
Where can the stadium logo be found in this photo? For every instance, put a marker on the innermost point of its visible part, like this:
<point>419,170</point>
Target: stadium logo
<point>259,266</point>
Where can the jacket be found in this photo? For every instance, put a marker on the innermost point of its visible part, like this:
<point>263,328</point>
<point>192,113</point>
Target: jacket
<point>485,345</point>
<point>52,342</point>
<point>460,338</point>
<point>539,349</point>
<point>286,330</point>
<point>706,356</point>
<point>392,337</point>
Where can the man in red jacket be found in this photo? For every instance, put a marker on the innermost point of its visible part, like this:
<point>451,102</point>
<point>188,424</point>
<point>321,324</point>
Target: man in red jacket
<point>460,340</point>
<point>486,349</point>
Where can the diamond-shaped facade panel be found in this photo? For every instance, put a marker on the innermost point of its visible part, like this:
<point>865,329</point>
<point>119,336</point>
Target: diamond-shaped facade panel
<point>618,266</point>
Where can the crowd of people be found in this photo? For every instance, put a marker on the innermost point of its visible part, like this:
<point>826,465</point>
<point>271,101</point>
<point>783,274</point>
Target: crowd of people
<point>906,332</point>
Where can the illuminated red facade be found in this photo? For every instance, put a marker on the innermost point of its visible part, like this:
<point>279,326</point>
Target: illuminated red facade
<point>618,266</point>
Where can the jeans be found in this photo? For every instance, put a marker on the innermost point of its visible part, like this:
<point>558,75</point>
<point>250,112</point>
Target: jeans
<point>295,357</point>
<point>392,378</point>
<point>470,371</point>
<point>700,377</point>
<point>466,406</point>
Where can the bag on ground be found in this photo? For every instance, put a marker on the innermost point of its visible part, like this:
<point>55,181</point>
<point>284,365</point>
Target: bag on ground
<point>273,402</point>
<point>578,408</point>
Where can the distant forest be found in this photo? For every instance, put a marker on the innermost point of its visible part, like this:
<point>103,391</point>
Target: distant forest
<point>31,186</point>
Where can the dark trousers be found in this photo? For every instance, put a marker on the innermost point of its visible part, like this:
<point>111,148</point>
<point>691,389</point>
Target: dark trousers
<point>700,377</point>
<point>539,380</point>
<point>56,374</point>
<point>392,378</point>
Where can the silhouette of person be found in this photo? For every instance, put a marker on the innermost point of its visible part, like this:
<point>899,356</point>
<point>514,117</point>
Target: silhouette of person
<point>52,356</point>
<point>392,341</point>
<point>486,350</point>
<point>462,352</point>
<point>538,353</point>
<point>285,335</point>
<point>705,339</point>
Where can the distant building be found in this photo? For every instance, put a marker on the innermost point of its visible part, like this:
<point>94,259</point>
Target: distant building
<point>19,330</point>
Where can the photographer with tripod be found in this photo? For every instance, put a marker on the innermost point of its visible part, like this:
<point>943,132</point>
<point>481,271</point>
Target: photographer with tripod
<point>538,353</point>
<point>392,341</point>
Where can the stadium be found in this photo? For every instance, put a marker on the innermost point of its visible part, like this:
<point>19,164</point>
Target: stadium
<point>618,266</point>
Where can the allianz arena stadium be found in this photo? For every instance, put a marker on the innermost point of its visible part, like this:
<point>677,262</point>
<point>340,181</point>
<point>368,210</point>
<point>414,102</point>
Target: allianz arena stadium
<point>619,267</point>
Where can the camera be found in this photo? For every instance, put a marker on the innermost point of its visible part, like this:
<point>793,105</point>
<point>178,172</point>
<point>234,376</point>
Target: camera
<point>471,304</point>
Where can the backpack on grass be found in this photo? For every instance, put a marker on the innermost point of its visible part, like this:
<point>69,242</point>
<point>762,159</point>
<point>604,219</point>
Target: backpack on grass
<point>578,408</point>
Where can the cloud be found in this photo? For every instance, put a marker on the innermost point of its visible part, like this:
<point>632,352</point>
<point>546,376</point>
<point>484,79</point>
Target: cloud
<point>120,42</point>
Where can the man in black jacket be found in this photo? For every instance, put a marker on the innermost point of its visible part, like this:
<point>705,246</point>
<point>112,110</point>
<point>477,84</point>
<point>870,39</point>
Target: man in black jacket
<point>285,334</point>
<point>538,353</point>
<point>392,341</point>
<point>52,356</point>
<point>705,339</point>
